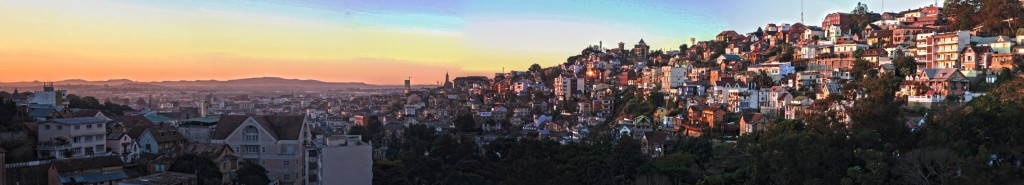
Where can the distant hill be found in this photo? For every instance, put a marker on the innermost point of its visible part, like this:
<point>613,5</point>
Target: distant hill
<point>255,84</point>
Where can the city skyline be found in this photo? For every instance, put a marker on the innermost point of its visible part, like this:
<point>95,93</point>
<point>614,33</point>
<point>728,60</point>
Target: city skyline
<point>379,42</point>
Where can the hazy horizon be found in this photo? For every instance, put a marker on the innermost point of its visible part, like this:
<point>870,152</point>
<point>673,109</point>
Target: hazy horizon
<point>375,42</point>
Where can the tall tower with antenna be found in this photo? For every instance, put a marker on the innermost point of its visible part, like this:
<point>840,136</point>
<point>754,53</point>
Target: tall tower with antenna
<point>802,12</point>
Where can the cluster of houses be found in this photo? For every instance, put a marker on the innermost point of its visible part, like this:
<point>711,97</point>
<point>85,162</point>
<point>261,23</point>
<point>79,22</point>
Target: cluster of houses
<point>708,91</point>
<point>85,146</point>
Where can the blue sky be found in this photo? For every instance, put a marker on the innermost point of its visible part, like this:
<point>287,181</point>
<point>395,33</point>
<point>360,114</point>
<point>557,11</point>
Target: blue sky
<point>348,40</point>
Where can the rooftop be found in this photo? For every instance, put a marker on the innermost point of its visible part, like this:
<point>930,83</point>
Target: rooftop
<point>76,121</point>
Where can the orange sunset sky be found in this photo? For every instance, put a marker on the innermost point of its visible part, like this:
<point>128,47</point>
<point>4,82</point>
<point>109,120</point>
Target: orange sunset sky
<point>377,41</point>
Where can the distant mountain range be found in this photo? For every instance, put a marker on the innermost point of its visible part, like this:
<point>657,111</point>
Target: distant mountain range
<point>261,83</point>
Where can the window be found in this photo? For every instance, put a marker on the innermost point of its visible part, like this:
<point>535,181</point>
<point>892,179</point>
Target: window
<point>250,149</point>
<point>251,133</point>
<point>149,147</point>
<point>59,127</point>
<point>287,176</point>
<point>287,162</point>
<point>78,127</point>
<point>264,149</point>
<point>47,127</point>
<point>88,126</point>
<point>99,125</point>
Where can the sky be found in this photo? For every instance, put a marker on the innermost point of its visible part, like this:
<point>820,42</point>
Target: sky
<point>372,41</point>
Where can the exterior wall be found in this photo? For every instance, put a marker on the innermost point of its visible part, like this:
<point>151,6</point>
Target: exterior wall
<point>123,147</point>
<point>199,134</point>
<point>148,143</point>
<point>948,47</point>
<point>81,137</point>
<point>271,153</point>
<point>674,77</point>
<point>347,165</point>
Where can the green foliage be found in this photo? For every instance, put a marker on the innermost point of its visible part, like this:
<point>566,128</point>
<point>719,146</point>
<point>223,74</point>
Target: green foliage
<point>860,68</point>
<point>465,123</point>
<point>205,169</point>
<point>249,173</point>
<point>860,17</point>
<point>9,119</point>
<point>108,108</point>
<point>903,64</point>
<point>988,15</point>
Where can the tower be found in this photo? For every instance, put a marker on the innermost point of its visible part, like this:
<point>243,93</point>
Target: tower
<point>408,84</point>
<point>447,82</point>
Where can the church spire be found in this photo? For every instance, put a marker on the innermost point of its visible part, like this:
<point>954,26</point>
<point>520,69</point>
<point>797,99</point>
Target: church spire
<point>447,82</point>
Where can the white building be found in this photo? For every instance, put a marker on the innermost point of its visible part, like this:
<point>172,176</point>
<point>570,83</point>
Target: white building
<point>49,96</point>
<point>673,77</point>
<point>72,137</point>
<point>776,70</point>
<point>566,86</point>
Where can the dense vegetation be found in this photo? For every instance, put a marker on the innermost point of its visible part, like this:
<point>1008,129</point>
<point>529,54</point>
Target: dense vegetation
<point>988,17</point>
<point>108,108</point>
<point>974,143</point>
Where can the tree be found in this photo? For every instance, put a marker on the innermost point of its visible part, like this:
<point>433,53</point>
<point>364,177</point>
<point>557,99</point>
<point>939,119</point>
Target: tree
<point>360,130</point>
<point>205,169</point>
<point>676,166</point>
<point>927,166</point>
<point>250,173</point>
<point>683,47</point>
<point>860,68</point>
<point>535,68</point>
<point>903,64</point>
<point>465,123</point>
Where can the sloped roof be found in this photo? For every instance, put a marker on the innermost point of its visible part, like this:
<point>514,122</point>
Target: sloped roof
<point>76,121</point>
<point>131,121</point>
<point>166,134</point>
<point>205,150</point>
<point>40,112</point>
<point>93,177</point>
<point>752,117</point>
<point>156,118</point>
<point>87,163</point>
<point>656,137</point>
<point>87,113</point>
<point>279,127</point>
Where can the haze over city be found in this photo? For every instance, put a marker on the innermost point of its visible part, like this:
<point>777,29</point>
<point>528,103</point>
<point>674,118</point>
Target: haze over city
<point>377,42</point>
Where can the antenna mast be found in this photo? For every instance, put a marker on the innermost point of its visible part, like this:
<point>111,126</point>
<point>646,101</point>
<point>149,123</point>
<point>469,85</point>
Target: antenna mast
<point>802,12</point>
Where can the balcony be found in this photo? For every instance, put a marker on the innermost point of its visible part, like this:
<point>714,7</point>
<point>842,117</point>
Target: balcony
<point>56,144</point>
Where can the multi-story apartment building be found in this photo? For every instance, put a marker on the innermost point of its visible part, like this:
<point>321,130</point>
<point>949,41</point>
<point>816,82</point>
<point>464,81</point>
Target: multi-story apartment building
<point>566,86</point>
<point>276,142</point>
<point>925,50</point>
<point>674,77</point>
<point>71,137</point>
<point>947,48</point>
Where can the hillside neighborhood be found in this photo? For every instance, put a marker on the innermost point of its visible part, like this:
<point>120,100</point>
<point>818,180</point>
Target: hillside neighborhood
<point>860,98</point>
